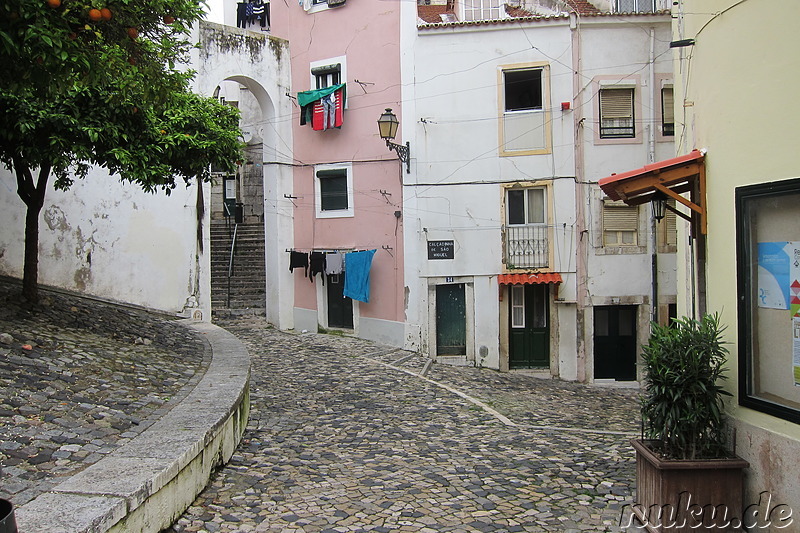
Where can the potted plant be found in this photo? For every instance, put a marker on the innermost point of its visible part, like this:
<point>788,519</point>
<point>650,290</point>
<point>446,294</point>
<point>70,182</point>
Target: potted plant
<point>686,475</point>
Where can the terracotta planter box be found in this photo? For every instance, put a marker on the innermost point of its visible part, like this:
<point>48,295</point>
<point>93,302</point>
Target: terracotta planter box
<point>683,496</point>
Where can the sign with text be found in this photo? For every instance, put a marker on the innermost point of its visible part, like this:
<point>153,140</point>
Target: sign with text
<point>441,250</point>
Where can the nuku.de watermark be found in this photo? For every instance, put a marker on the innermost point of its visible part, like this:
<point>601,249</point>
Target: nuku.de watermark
<point>755,516</point>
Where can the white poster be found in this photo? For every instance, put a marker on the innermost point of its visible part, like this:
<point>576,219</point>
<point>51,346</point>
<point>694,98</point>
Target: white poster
<point>774,261</point>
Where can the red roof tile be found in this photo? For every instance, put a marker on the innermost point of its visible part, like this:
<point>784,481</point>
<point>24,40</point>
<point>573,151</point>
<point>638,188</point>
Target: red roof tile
<point>583,7</point>
<point>431,14</point>
<point>517,279</point>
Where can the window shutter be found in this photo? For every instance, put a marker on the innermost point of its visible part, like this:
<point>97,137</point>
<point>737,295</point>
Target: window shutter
<point>620,217</point>
<point>668,102</point>
<point>616,103</point>
<point>672,230</point>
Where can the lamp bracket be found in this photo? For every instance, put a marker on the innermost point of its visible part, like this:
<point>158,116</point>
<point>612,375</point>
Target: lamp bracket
<point>403,152</point>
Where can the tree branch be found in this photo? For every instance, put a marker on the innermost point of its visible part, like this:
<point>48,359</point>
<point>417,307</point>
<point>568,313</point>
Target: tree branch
<point>25,188</point>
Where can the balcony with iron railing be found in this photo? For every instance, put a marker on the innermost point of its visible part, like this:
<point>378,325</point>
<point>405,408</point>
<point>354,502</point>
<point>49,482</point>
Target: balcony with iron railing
<point>527,246</point>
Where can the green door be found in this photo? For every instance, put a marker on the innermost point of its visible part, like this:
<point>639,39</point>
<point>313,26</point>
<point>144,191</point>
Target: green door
<point>615,342</point>
<point>451,320</point>
<point>529,336</point>
<point>340,307</point>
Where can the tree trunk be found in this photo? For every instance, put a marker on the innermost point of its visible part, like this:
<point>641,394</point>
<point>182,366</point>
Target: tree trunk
<point>33,196</point>
<point>30,272</point>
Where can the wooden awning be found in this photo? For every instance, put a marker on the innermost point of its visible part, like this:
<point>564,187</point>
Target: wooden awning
<point>671,177</point>
<point>520,279</point>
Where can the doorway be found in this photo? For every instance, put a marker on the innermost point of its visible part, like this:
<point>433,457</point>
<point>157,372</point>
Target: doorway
<point>529,331</point>
<point>451,320</point>
<point>615,342</point>
<point>340,307</point>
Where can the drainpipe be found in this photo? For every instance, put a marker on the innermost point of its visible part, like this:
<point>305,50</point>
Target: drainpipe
<point>582,246</point>
<point>651,157</point>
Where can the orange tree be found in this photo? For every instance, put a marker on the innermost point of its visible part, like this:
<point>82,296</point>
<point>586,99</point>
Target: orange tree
<point>101,83</point>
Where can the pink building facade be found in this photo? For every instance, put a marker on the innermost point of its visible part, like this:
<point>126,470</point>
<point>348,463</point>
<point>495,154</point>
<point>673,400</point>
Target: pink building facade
<point>347,186</point>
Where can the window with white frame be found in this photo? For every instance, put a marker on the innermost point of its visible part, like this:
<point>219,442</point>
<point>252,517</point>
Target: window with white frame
<point>334,191</point>
<point>525,206</point>
<point>481,10</point>
<point>524,120</point>
<point>667,111</point>
<point>635,6</point>
<point>620,224</point>
<point>526,228</point>
<point>327,72</point>
<point>617,113</point>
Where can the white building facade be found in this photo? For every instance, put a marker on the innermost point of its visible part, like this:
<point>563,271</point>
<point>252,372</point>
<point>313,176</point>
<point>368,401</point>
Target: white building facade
<point>515,260</point>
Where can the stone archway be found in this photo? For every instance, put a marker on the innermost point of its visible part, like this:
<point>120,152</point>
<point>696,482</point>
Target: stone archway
<point>250,70</point>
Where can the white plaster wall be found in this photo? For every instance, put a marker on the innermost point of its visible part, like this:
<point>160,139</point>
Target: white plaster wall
<point>143,247</point>
<point>111,239</point>
<point>456,192</point>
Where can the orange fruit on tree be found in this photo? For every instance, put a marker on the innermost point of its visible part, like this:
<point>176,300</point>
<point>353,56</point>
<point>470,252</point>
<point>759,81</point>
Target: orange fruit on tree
<point>105,13</point>
<point>133,33</point>
<point>95,15</point>
<point>54,3</point>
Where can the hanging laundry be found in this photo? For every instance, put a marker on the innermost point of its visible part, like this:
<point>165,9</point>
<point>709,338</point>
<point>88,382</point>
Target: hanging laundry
<point>265,23</point>
<point>317,266</point>
<point>334,264</point>
<point>241,14</point>
<point>258,11</point>
<point>312,110</point>
<point>356,275</point>
<point>328,111</point>
<point>297,260</point>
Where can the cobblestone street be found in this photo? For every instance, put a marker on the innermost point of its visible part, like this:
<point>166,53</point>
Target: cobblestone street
<point>347,435</point>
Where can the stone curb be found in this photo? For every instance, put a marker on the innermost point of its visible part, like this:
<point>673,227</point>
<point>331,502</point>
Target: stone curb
<point>146,484</point>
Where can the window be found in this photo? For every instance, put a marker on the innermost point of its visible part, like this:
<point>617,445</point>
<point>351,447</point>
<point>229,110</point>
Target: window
<point>517,306</point>
<point>526,230</point>
<point>334,191</point>
<point>524,121</point>
<point>634,6</point>
<point>620,224</point>
<point>667,112</point>
<point>327,75</point>
<point>616,113</point>
<point>525,206</point>
<point>667,231</point>
<point>523,89</point>
<point>481,10</point>
<point>768,262</point>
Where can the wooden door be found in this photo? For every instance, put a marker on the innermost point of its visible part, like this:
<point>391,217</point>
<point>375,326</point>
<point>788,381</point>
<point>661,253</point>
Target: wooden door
<point>529,331</point>
<point>451,320</point>
<point>615,342</point>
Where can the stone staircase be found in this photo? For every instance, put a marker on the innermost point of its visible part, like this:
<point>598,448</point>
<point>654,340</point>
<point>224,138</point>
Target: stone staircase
<point>248,280</point>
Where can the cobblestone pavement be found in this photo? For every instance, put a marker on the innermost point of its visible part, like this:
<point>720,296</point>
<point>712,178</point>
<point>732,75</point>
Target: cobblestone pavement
<point>347,435</point>
<point>78,378</point>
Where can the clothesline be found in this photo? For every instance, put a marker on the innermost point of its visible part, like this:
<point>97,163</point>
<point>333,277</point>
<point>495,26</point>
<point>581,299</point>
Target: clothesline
<point>354,265</point>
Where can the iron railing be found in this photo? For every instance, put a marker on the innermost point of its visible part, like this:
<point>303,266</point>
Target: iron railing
<point>230,261</point>
<point>527,246</point>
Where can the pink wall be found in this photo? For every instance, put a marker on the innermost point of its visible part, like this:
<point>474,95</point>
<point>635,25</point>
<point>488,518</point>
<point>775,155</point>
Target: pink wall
<point>367,33</point>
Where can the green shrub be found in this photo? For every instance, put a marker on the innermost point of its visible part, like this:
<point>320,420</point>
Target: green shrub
<point>682,408</point>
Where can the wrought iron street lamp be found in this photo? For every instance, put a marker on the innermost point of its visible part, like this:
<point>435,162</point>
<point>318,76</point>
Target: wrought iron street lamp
<point>387,125</point>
